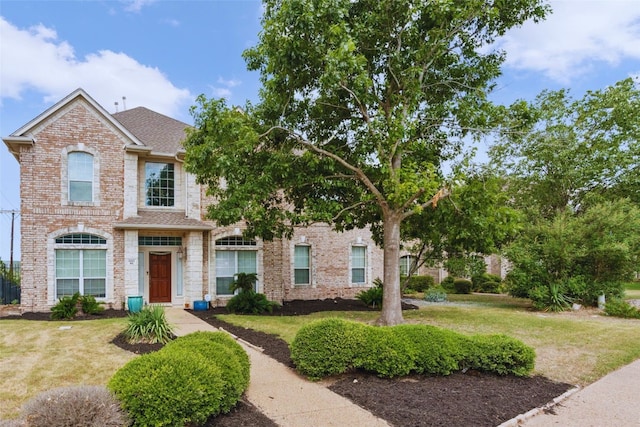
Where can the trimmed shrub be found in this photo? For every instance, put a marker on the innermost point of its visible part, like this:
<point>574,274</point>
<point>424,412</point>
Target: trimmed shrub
<point>250,302</point>
<point>327,347</point>
<point>74,406</point>
<point>421,283</point>
<point>462,286</point>
<point>149,325</point>
<point>169,388</point>
<point>487,283</point>
<point>621,308</point>
<point>501,355</point>
<point>386,353</point>
<point>372,297</point>
<point>223,351</point>
<point>447,283</point>
<point>436,351</point>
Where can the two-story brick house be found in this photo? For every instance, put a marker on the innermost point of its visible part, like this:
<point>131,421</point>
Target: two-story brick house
<point>108,210</point>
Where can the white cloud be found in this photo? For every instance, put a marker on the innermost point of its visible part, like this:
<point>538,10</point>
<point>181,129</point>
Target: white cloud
<point>34,59</point>
<point>576,36</point>
<point>223,87</point>
<point>229,83</point>
<point>137,5</point>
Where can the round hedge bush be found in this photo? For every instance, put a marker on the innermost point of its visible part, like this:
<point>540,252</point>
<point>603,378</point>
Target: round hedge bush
<point>223,351</point>
<point>327,347</point>
<point>169,388</point>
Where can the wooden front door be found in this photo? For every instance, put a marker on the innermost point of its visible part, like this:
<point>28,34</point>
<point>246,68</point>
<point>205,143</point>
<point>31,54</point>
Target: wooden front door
<point>159,278</point>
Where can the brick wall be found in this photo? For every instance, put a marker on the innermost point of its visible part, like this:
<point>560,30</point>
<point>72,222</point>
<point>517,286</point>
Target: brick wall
<point>77,125</point>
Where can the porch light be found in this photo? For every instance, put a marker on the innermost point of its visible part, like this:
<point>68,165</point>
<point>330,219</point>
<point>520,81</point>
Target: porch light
<point>182,253</point>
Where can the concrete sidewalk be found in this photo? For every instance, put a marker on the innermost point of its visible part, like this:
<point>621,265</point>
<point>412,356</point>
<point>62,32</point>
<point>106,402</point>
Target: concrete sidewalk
<point>279,393</point>
<point>613,400</point>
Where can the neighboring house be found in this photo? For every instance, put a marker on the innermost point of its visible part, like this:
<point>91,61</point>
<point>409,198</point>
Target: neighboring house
<point>108,210</point>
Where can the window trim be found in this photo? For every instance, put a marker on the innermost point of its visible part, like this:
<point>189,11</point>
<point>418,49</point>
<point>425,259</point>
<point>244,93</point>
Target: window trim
<point>174,194</point>
<point>65,181</point>
<point>307,268</point>
<point>364,268</point>
<point>233,243</point>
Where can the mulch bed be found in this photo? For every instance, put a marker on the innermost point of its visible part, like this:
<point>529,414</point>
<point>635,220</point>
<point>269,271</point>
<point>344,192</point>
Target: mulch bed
<point>461,399</point>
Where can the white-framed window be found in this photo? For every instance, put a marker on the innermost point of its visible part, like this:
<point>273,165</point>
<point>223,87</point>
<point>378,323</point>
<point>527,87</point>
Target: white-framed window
<point>80,176</point>
<point>159,184</point>
<point>358,264</point>
<point>82,267</point>
<point>407,262</point>
<point>302,265</point>
<point>233,255</point>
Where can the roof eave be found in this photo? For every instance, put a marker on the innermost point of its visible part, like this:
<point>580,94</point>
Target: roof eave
<point>14,143</point>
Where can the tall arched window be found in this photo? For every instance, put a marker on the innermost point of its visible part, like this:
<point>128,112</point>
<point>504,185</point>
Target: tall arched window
<point>80,167</point>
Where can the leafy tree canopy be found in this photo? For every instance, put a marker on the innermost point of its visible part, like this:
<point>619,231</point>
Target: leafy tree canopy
<point>564,152</point>
<point>361,103</point>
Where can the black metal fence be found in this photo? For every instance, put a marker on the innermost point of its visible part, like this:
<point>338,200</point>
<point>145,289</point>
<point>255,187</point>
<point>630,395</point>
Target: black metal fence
<point>9,292</point>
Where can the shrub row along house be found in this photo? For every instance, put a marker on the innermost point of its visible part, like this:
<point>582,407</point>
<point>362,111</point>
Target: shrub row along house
<point>108,210</point>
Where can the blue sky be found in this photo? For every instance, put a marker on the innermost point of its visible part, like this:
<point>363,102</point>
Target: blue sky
<point>161,54</point>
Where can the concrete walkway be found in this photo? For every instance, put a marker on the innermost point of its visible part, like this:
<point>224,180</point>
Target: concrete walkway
<point>280,394</point>
<point>290,400</point>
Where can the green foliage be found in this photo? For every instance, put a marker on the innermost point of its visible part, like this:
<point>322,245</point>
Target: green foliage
<point>585,254</point>
<point>334,96</point>
<point>245,282</point>
<point>334,346</point>
<point>372,296</point>
<point>90,305</point>
<point>501,355</point>
<point>562,152</point>
<point>169,388</point>
<point>550,298</point>
<point>487,283</point>
<point>462,286</point>
<point>327,347</point>
<point>421,283</point>
<point>149,325</point>
<point>222,351</point>
<point>621,308</point>
<point>435,295</point>
<point>66,308</point>
<point>447,283</point>
<point>386,353</point>
<point>437,351</point>
<point>74,406</point>
<point>250,302</point>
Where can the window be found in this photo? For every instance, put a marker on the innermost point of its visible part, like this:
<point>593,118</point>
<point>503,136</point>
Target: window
<point>80,167</point>
<point>358,264</point>
<point>81,270</point>
<point>228,263</point>
<point>301,262</point>
<point>159,184</point>
<point>407,262</point>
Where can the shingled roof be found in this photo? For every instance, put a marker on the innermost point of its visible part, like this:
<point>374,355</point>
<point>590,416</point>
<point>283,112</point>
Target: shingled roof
<point>157,131</point>
<point>162,220</point>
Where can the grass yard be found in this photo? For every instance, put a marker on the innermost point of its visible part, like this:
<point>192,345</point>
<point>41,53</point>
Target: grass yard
<point>37,356</point>
<point>577,348</point>
<point>632,290</point>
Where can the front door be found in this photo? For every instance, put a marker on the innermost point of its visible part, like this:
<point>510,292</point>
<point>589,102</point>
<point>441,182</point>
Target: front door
<point>159,277</point>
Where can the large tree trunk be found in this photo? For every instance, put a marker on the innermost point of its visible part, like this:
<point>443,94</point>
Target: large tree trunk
<point>391,301</point>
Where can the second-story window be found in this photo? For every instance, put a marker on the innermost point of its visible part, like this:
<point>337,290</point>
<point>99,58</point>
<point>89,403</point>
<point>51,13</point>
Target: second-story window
<point>159,184</point>
<point>80,166</point>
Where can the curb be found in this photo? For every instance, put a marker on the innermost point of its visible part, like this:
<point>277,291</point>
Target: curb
<point>516,421</point>
<point>240,340</point>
